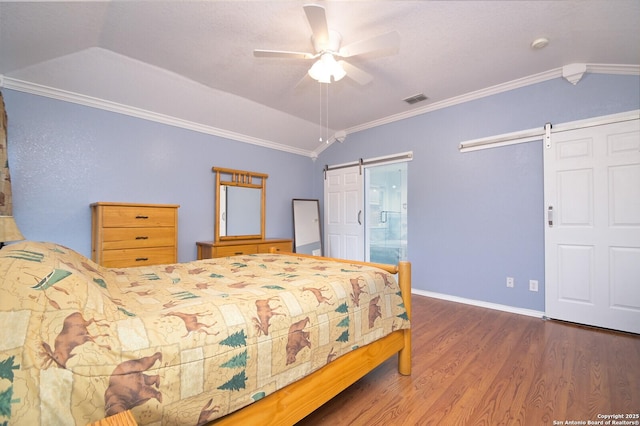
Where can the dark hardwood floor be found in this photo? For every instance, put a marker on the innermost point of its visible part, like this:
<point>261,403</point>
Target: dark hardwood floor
<point>476,366</point>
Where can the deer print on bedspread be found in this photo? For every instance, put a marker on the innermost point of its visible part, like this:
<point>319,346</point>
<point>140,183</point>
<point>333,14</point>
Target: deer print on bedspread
<point>357,290</point>
<point>206,412</point>
<point>374,311</point>
<point>384,277</point>
<point>317,292</point>
<point>191,322</point>
<point>74,333</point>
<point>264,313</point>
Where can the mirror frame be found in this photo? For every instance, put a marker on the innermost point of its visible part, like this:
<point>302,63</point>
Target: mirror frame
<point>244,179</point>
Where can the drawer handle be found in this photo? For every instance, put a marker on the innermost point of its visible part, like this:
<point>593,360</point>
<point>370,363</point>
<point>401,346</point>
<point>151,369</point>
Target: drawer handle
<point>238,253</point>
<point>141,259</point>
<point>142,238</point>
<point>142,217</point>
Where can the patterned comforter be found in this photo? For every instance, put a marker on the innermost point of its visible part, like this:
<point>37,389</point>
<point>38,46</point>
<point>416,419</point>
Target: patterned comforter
<point>176,344</point>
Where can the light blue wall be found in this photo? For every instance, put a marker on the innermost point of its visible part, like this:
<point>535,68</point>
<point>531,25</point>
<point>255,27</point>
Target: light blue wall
<point>476,218</point>
<point>65,156</point>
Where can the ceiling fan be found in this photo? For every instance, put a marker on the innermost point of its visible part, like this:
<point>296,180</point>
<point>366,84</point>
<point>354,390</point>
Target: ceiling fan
<point>329,64</point>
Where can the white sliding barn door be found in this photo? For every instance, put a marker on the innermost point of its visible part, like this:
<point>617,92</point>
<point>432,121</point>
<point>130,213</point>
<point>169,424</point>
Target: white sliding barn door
<point>344,213</point>
<point>592,228</point>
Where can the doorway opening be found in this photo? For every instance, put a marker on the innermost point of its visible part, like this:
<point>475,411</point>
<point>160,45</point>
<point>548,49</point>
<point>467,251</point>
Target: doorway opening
<point>386,213</point>
<point>365,209</point>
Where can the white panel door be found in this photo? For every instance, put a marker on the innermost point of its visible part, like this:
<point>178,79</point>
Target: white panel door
<point>343,212</point>
<point>592,230</point>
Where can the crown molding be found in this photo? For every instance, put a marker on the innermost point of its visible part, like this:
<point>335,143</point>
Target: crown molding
<point>619,69</point>
<point>478,94</point>
<point>63,95</point>
<point>50,92</point>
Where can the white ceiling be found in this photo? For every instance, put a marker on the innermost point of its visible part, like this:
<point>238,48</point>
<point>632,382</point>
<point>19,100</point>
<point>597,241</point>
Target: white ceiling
<point>191,63</point>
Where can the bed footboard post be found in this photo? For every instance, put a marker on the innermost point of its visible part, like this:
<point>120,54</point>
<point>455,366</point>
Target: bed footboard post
<point>404,281</point>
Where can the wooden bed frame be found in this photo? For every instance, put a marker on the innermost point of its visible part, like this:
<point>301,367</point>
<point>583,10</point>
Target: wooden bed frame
<point>295,401</point>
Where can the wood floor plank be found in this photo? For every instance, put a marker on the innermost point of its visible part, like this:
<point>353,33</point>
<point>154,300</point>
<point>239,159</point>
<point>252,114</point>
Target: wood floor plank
<point>484,354</point>
<point>547,398</point>
<point>623,360</point>
<point>475,366</point>
<point>502,403</point>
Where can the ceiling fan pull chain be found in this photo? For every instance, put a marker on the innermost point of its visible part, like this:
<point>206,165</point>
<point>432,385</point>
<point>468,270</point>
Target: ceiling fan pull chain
<point>320,112</point>
<point>326,138</point>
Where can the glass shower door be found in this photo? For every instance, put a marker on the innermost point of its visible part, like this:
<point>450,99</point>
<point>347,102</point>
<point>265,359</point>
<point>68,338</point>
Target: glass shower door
<point>386,218</point>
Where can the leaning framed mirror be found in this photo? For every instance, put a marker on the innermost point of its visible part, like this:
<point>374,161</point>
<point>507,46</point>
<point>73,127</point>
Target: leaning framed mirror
<point>240,204</point>
<point>306,227</point>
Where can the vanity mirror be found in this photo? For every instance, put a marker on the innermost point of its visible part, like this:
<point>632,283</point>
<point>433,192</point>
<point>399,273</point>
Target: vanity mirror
<point>239,227</point>
<point>306,227</point>
<point>240,204</point>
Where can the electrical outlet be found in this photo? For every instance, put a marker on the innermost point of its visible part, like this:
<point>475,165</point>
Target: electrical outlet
<point>510,282</point>
<point>533,285</point>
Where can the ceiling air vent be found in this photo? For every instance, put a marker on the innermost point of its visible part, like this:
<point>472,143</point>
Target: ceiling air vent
<point>415,99</point>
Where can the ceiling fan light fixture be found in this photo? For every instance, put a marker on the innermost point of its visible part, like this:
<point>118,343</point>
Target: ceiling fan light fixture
<point>317,72</point>
<point>325,68</point>
<point>338,72</point>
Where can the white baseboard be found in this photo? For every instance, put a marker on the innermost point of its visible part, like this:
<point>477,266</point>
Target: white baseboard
<point>480,303</point>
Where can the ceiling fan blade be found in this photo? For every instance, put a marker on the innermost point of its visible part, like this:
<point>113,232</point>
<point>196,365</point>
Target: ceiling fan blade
<point>355,73</point>
<point>390,40</point>
<point>318,23</point>
<point>260,53</point>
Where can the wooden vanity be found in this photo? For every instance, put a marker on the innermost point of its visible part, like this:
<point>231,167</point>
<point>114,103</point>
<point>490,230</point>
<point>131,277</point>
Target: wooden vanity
<point>211,249</point>
<point>240,217</point>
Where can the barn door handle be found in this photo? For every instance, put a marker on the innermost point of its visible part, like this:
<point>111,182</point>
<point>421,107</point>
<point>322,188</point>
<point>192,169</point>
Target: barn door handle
<point>550,216</point>
<point>359,217</point>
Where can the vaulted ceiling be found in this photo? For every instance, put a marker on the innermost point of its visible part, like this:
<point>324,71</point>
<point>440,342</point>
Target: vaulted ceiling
<point>191,63</point>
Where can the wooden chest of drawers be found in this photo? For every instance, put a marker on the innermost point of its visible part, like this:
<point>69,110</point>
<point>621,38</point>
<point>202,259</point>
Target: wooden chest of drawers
<point>128,234</point>
<point>211,249</point>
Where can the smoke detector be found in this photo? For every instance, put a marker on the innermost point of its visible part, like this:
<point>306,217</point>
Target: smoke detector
<point>539,43</point>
